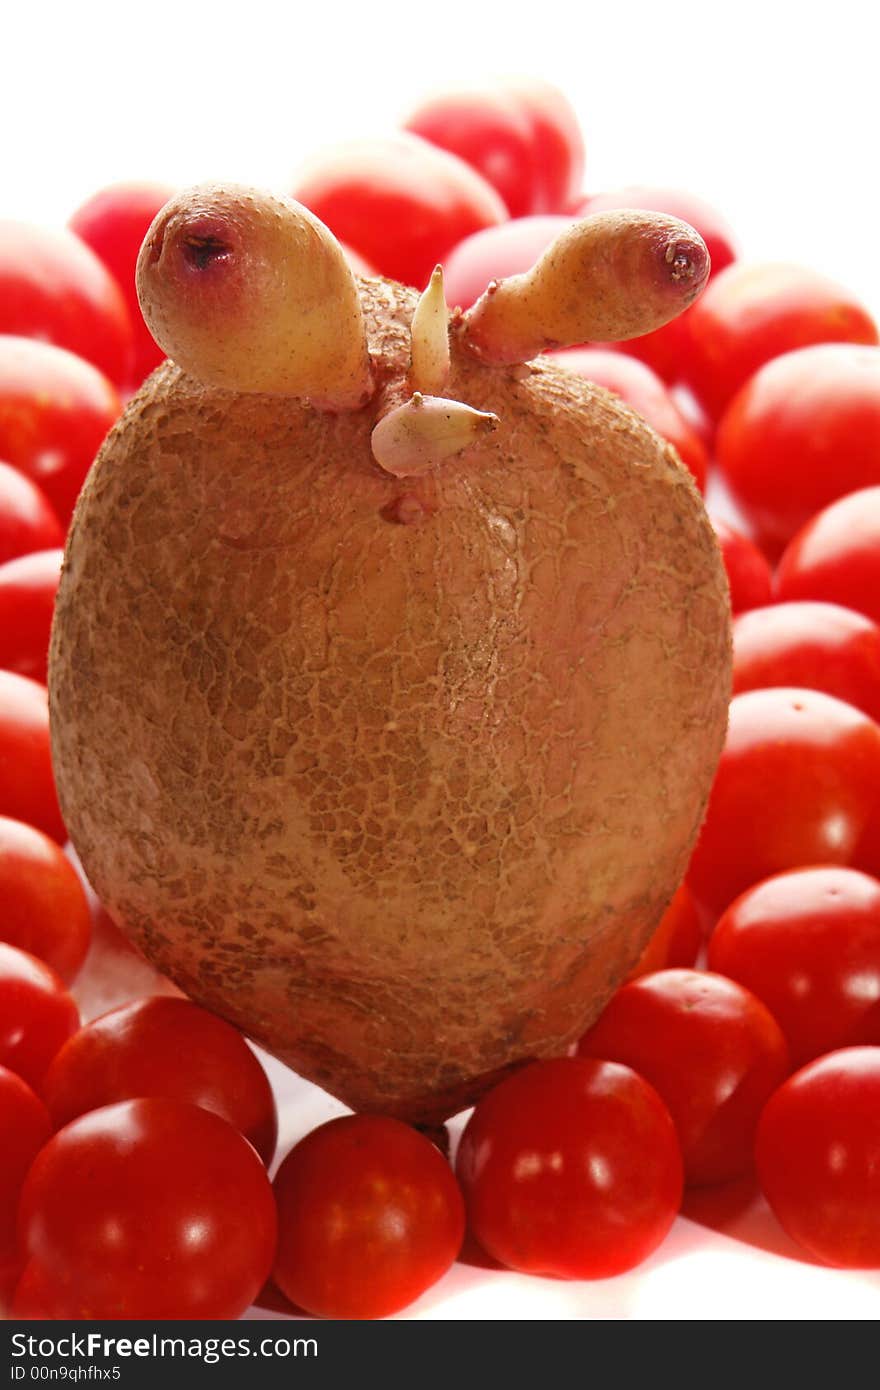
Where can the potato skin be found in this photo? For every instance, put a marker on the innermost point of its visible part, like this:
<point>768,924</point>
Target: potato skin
<point>402,801</point>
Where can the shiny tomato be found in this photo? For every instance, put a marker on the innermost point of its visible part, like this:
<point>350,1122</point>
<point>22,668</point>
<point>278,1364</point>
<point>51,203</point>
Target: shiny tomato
<point>27,783</point>
<point>164,1047</point>
<point>113,223</point>
<point>818,645</point>
<point>665,349</point>
<point>54,288</point>
<point>37,1014</point>
<point>642,389</point>
<point>804,430</point>
<point>713,1052</point>
<point>27,521</point>
<point>818,1157</point>
<point>369,1216</point>
<point>572,1168</point>
<point>522,137</point>
<point>836,556</point>
<point>796,785</point>
<point>495,253</point>
<point>44,907</point>
<point>808,944</point>
<point>148,1209</point>
<point>55,410</point>
<point>28,586</point>
<point>676,941</point>
<point>398,201</point>
<point>24,1128</point>
<point>748,573</point>
<point>752,313</point>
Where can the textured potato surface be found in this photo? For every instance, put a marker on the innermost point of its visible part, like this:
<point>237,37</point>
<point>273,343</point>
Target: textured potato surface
<point>396,774</point>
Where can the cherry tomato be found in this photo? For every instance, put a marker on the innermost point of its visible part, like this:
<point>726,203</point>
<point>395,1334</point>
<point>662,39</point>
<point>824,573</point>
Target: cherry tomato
<point>571,1167</point>
<point>836,556</point>
<point>818,1157</point>
<point>369,1216</point>
<point>752,313</point>
<point>27,521</point>
<point>28,586</point>
<point>642,389</point>
<point>665,349</point>
<point>712,1051</point>
<point>818,645</point>
<point>113,223</point>
<point>495,253</point>
<point>148,1209</point>
<point>44,907</point>
<point>34,1299</point>
<point>164,1047</point>
<point>808,944</point>
<point>748,573</point>
<point>37,1014</point>
<point>54,288</point>
<point>27,783</point>
<point>804,430</point>
<point>676,941</point>
<point>523,138</point>
<point>55,410</point>
<point>795,786</point>
<point>400,202</point>
<point>24,1128</point>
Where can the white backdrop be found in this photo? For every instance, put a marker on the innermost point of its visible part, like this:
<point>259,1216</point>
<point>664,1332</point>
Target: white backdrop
<point>768,109</point>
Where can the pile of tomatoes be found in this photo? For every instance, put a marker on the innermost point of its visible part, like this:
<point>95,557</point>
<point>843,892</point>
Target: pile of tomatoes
<point>133,1167</point>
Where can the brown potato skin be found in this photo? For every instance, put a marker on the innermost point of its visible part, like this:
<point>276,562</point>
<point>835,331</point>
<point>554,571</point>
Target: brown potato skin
<point>403,801</point>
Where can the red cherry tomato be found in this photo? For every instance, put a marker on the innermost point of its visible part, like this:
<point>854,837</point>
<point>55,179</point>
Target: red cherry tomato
<point>43,906</point>
<point>149,1209</point>
<point>642,389</point>
<point>55,410</point>
<point>113,223</point>
<point>37,1014</point>
<point>836,556</point>
<point>572,1168</point>
<point>752,313</point>
<point>712,1051</point>
<point>27,521</point>
<point>808,944</point>
<point>34,1299</point>
<point>400,202</point>
<point>523,138</point>
<point>54,288</point>
<point>748,573</point>
<point>164,1047</point>
<point>818,645</point>
<point>817,1156</point>
<point>665,349</point>
<point>369,1216</point>
<point>676,941</point>
<point>558,142</point>
<point>496,253</point>
<point>24,1128</point>
<point>803,431</point>
<point>27,783</point>
<point>28,586</point>
<point>795,786</point>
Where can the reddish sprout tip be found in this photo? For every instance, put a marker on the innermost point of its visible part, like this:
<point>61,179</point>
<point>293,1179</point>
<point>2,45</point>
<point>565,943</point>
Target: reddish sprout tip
<point>198,253</point>
<point>687,263</point>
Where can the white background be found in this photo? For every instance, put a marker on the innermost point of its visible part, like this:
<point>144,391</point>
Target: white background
<point>769,110</point>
